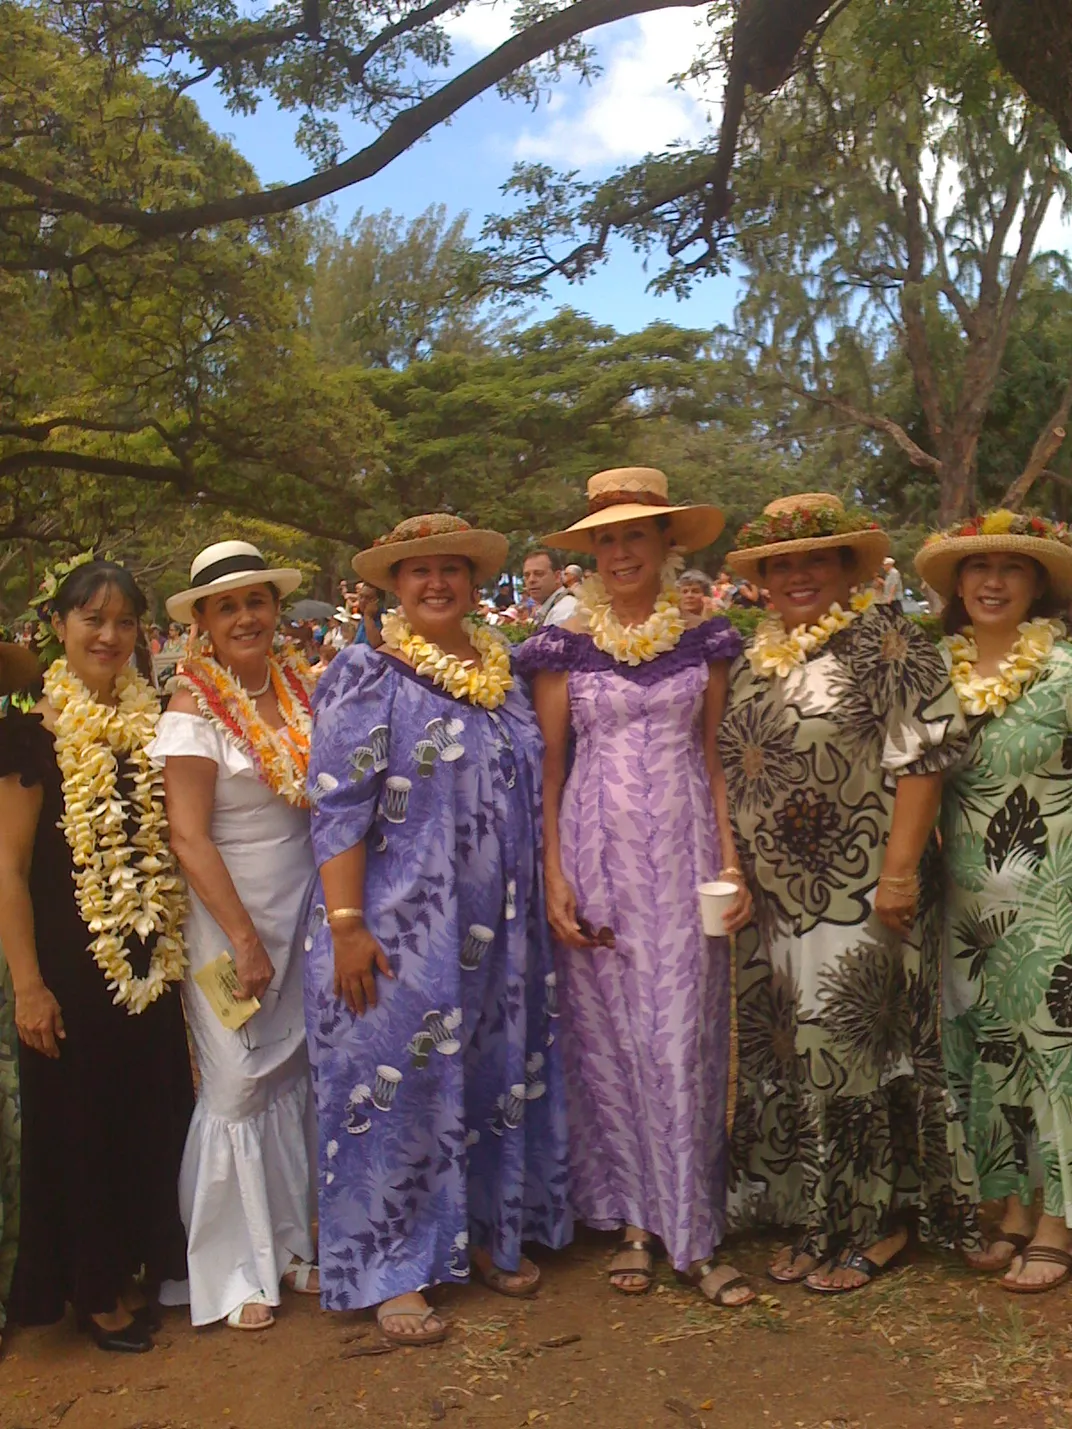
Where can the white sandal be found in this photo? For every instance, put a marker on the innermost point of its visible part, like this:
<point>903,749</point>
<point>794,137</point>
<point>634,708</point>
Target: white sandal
<point>297,1274</point>
<point>235,1321</point>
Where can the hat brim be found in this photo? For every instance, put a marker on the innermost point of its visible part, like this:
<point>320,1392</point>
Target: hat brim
<point>691,527</point>
<point>938,562</point>
<point>181,607</point>
<point>19,668</point>
<point>485,550</point>
<point>870,547</point>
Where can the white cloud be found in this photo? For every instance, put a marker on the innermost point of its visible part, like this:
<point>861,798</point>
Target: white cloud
<point>483,25</point>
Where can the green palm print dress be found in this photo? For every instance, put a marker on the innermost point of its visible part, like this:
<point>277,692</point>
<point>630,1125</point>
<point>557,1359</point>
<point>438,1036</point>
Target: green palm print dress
<point>9,1137</point>
<point>843,1116</point>
<point>1007,1038</point>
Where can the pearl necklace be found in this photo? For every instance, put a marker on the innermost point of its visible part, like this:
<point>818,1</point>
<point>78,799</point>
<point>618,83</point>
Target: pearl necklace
<point>253,694</point>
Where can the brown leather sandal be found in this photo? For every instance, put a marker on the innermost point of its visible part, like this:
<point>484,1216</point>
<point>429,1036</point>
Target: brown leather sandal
<point>644,1271</point>
<point>1041,1255</point>
<point>717,1296</point>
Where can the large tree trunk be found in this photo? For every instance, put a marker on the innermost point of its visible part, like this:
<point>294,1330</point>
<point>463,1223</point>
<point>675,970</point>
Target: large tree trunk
<point>1033,39</point>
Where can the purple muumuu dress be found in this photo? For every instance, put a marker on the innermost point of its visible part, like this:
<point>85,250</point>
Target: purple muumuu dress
<point>441,1112</point>
<point>645,1025</point>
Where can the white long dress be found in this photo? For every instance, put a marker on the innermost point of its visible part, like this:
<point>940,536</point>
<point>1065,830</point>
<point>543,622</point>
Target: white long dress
<point>246,1190</point>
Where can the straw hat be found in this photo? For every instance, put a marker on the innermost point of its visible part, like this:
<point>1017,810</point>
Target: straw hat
<point>438,534</point>
<point>229,565</point>
<point>1048,542</point>
<point>809,522</point>
<point>19,667</point>
<point>637,493</point>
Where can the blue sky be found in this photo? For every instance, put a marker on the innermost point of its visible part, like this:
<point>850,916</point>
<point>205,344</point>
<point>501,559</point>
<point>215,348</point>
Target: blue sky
<point>628,111</point>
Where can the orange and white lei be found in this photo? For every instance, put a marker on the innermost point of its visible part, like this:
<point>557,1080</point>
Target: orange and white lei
<point>124,887</point>
<point>280,756</point>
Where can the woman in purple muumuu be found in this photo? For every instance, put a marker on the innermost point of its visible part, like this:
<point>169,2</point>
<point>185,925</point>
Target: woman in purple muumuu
<point>439,1087</point>
<point>637,823</point>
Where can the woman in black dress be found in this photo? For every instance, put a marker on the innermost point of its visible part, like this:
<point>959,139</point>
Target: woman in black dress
<point>103,1067</point>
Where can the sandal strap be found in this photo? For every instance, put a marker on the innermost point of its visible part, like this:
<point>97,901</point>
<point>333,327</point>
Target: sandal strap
<point>862,1264</point>
<point>422,1315</point>
<point>1047,1255</point>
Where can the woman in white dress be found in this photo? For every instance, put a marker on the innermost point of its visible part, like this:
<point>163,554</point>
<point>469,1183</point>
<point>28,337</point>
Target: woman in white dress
<point>235,747</point>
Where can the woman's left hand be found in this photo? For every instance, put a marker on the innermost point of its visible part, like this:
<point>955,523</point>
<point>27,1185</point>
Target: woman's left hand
<point>895,905</point>
<point>739,913</point>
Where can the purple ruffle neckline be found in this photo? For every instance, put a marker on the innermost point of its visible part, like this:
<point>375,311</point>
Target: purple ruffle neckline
<point>563,650</point>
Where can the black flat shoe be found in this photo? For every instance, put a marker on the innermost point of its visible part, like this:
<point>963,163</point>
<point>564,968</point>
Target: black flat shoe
<point>132,1339</point>
<point>148,1316</point>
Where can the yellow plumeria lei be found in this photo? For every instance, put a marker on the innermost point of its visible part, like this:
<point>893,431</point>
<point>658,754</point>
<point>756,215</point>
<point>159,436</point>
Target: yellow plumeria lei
<point>992,694</point>
<point>776,651</point>
<point>485,684</point>
<point>631,644</point>
<point>123,888</point>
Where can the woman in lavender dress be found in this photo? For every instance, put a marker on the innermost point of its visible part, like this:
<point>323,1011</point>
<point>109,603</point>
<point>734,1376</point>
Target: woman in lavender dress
<point>639,821</point>
<point>429,984</point>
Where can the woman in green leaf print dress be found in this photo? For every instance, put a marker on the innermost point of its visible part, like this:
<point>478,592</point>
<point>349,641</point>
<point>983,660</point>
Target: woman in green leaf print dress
<point>1007,839</point>
<point>840,724</point>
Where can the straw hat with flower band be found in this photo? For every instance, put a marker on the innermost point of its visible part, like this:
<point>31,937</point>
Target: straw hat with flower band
<point>438,534</point>
<point>1047,542</point>
<point>810,521</point>
<point>637,493</point>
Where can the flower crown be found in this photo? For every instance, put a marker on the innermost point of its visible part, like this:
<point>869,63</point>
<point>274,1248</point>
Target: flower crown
<point>418,528</point>
<point>48,644</point>
<point>1005,523</point>
<point>802,524</point>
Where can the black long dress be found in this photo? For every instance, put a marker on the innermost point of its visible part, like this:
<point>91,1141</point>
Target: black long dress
<point>103,1127</point>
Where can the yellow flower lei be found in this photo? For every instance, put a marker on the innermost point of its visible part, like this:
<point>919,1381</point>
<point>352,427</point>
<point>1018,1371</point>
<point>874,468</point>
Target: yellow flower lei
<point>122,888</point>
<point>631,644</point>
<point>485,684</point>
<point>282,762</point>
<point>992,694</point>
<point>774,651</point>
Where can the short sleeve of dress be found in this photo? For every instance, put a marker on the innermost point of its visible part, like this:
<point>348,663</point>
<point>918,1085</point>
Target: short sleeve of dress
<point>926,732</point>
<point>351,734</point>
<point>721,641</point>
<point>179,733</point>
<point>552,648</point>
<point>25,748</point>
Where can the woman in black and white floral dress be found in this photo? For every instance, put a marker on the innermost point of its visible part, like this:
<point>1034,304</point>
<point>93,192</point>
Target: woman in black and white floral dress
<point>841,721</point>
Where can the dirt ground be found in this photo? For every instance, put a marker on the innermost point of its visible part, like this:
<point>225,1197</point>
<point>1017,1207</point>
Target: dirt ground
<point>928,1345</point>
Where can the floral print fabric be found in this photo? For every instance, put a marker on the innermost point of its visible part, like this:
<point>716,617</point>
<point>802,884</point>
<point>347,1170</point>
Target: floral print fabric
<point>1007,835</point>
<point>9,1136</point>
<point>842,1111</point>
<point>441,1112</point>
<point>645,1024</point>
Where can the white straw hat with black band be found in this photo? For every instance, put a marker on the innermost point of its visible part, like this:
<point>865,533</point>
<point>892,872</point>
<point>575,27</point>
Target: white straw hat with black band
<point>229,565</point>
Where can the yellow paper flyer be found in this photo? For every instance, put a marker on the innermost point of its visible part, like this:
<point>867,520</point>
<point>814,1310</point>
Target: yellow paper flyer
<point>218,980</point>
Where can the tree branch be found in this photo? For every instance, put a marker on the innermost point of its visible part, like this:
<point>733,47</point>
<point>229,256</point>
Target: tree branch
<point>1049,439</point>
<point>915,453</point>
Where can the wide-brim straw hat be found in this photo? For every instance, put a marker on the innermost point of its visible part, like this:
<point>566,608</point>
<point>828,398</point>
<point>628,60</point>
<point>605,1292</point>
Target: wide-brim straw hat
<point>638,493</point>
<point>229,565</point>
<point>939,560</point>
<point>438,534</point>
<point>869,542</point>
<point>19,667</point>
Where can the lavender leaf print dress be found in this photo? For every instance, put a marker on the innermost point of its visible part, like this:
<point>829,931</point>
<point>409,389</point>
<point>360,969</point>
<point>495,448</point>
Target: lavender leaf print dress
<point>442,1111</point>
<point>645,1024</point>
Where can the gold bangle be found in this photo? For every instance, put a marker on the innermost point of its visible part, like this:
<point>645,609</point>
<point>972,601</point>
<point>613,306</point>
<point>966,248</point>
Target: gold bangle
<point>345,915</point>
<point>732,868</point>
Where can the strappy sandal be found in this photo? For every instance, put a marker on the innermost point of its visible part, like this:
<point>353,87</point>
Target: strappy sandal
<point>297,1275</point>
<point>421,1336</point>
<point>501,1281</point>
<point>645,1271</point>
<point>703,1273</point>
<point>851,1260</point>
<point>1019,1244</point>
<point>235,1321</point>
<point>1041,1255</point>
<point>795,1277</point>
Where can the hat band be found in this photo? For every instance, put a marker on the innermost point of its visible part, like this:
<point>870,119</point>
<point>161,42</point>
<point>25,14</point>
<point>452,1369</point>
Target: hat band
<point>228,566</point>
<point>625,498</point>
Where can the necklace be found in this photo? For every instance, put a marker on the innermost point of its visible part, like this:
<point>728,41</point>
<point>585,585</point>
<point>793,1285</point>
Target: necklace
<point>280,757</point>
<point>485,684</point>
<point>254,694</point>
<point>631,644</point>
<point>774,651</point>
<point>124,887</point>
<point>992,694</point>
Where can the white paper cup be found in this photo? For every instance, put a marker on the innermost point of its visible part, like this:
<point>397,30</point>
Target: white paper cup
<point>715,898</point>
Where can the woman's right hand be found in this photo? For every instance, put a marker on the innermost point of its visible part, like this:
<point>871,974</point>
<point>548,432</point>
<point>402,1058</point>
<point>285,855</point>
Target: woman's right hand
<point>562,911</point>
<point>358,958</point>
<point>39,1020</point>
<point>255,969</point>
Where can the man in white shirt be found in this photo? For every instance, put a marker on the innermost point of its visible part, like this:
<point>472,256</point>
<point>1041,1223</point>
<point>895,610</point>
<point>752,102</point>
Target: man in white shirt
<point>542,577</point>
<point>892,584</point>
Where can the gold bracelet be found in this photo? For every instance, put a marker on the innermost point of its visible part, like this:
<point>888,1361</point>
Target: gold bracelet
<point>732,868</point>
<point>345,915</point>
<point>912,881</point>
